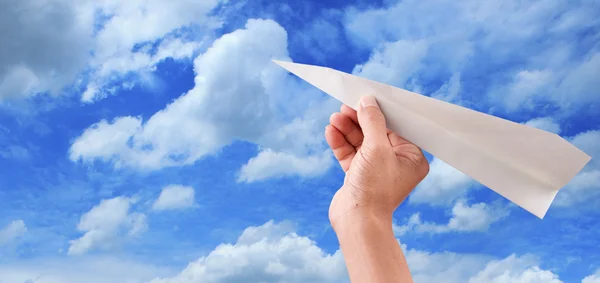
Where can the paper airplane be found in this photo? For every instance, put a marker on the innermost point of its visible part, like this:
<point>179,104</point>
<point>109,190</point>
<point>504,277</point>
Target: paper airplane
<point>526,165</point>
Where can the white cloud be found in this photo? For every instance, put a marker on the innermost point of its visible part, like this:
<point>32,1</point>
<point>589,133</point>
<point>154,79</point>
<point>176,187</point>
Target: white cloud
<point>514,269</point>
<point>592,278</point>
<point>442,186</point>
<point>123,48</point>
<point>12,231</point>
<point>239,95</point>
<point>268,253</point>
<point>465,218</point>
<point>394,62</point>
<point>46,44</point>
<point>443,266</point>
<point>105,141</point>
<point>449,91</point>
<point>269,163</point>
<point>273,252</point>
<point>526,86</point>
<point>175,197</point>
<point>544,123</point>
<point>92,44</point>
<point>93,269</point>
<point>511,54</point>
<point>475,268</point>
<point>586,185</point>
<point>107,223</point>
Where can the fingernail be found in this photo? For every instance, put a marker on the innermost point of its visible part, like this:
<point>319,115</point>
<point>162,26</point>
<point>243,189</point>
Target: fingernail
<point>366,101</point>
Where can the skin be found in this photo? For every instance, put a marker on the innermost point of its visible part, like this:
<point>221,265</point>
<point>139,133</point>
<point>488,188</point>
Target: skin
<point>382,169</point>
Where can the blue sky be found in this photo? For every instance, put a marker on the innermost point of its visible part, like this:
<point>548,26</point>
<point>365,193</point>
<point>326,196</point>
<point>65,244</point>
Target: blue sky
<point>145,141</point>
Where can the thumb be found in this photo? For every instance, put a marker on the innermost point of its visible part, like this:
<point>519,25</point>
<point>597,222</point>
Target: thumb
<point>372,121</point>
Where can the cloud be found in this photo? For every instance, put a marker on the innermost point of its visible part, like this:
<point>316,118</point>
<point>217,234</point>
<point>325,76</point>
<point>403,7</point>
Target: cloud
<point>394,62</point>
<point>46,45</point>
<point>93,269</point>
<point>93,45</point>
<point>465,218</point>
<point>267,253</point>
<point>474,268</point>
<point>105,141</point>
<point>239,95</point>
<point>514,269</point>
<point>586,185</point>
<point>274,252</point>
<point>12,231</point>
<point>174,197</point>
<point>122,48</point>
<point>544,123</point>
<point>510,56</point>
<point>593,278</point>
<point>107,223</point>
<point>268,164</point>
<point>442,186</point>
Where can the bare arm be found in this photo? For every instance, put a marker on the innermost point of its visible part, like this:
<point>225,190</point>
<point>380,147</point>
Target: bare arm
<point>370,249</point>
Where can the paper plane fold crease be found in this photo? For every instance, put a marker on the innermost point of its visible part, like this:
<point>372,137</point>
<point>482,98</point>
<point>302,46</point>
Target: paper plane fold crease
<point>527,166</point>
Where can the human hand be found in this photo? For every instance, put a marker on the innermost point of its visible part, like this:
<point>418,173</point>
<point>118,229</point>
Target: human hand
<point>381,167</point>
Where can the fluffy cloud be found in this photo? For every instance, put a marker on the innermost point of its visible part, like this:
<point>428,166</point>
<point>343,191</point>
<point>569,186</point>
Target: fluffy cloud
<point>544,123</point>
<point>46,44</point>
<point>268,253</point>
<point>474,268</point>
<point>12,231</point>
<point>268,164</point>
<point>442,186</point>
<point>514,269</point>
<point>239,95</point>
<point>465,218</point>
<point>122,48</point>
<point>92,44</point>
<point>273,252</point>
<point>93,269</point>
<point>175,197</point>
<point>394,62</point>
<point>105,224</point>
<point>586,185</point>
<point>593,278</point>
<point>518,54</point>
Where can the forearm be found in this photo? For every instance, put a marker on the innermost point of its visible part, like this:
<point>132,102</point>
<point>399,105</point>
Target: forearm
<point>370,249</point>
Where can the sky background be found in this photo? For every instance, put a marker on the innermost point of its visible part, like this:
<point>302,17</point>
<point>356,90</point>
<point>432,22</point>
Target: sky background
<point>155,141</point>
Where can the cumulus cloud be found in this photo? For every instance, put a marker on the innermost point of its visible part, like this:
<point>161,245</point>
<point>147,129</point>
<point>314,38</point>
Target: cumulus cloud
<point>510,55</point>
<point>268,164</point>
<point>268,253</point>
<point>175,197</point>
<point>473,268</point>
<point>239,95</point>
<point>274,252</point>
<point>93,45</point>
<point>93,269</point>
<point>544,123</point>
<point>46,45</point>
<point>442,186</point>
<point>592,278</point>
<point>12,231</point>
<point>514,269</point>
<point>586,185</point>
<point>465,218</point>
<point>106,224</point>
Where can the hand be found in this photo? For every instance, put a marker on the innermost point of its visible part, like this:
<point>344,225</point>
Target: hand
<point>381,167</point>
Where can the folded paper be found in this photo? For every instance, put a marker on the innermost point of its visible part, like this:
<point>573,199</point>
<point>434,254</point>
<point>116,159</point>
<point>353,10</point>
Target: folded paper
<point>526,165</point>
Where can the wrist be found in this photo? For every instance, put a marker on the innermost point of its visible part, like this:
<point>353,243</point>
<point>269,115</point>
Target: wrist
<point>357,217</point>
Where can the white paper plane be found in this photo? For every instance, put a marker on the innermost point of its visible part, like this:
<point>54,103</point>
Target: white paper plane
<point>525,165</point>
